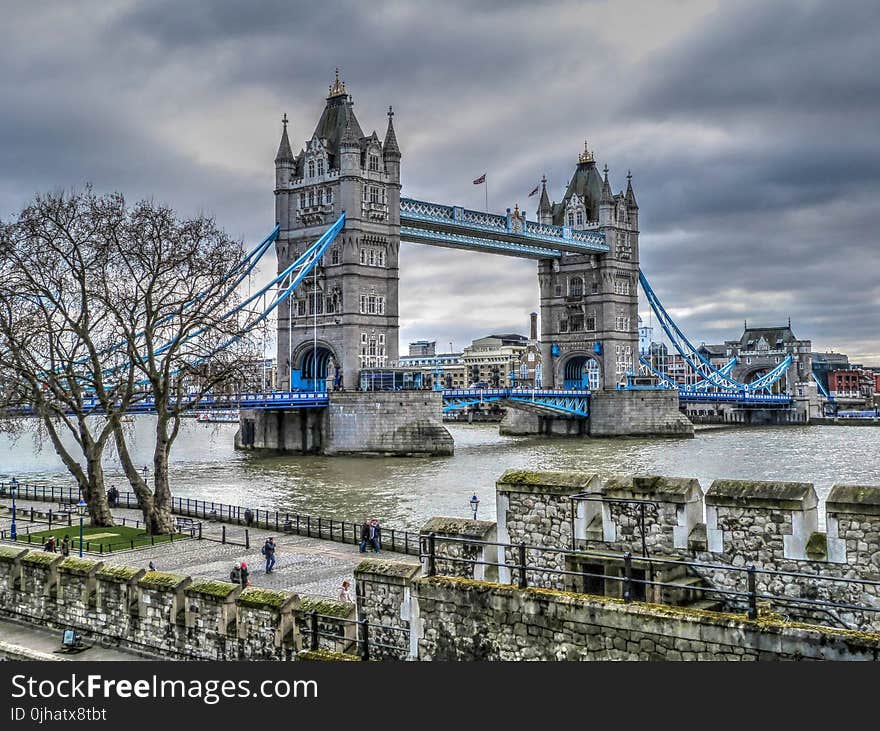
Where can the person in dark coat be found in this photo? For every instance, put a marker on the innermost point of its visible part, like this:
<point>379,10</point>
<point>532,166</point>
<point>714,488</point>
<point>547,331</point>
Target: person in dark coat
<point>375,536</point>
<point>235,574</point>
<point>268,550</point>
<point>365,535</point>
<point>244,575</point>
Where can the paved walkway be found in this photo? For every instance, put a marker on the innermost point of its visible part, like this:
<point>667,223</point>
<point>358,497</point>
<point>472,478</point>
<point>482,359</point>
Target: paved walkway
<point>308,566</point>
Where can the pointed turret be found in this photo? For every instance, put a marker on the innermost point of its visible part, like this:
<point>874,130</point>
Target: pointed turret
<point>607,195</point>
<point>351,136</point>
<point>390,150</point>
<point>630,196</point>
<point>285,154</point>
<point>545,210</point>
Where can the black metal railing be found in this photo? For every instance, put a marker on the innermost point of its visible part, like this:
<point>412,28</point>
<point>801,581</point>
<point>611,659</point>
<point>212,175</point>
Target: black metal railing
<point>363,643</point>
<point>520,569</point>
<point>395,540</point>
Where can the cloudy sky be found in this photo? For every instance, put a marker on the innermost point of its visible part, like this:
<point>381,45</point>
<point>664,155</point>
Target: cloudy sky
<point>751,129</point>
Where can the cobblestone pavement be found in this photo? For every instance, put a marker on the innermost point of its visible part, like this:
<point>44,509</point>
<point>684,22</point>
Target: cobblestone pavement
<point>308,566</point>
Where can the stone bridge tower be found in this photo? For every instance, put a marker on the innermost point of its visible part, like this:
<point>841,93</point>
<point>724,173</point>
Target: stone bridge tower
<point>351,304</point>
<point>589,302</point>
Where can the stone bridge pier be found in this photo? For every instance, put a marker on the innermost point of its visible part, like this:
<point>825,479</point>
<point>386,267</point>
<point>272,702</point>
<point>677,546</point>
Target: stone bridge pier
<point>402,423</point>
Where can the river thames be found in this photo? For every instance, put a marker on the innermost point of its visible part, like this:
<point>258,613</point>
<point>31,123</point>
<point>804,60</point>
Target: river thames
<point>403,492</point>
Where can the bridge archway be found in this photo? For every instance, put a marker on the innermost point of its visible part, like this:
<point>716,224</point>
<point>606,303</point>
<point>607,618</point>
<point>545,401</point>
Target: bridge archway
<point>778,387</point>
<point>581,371</point>
<point>311,363</point>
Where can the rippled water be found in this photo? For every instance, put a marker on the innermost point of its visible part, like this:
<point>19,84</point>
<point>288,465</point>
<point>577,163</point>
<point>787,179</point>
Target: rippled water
<point>405,491</point>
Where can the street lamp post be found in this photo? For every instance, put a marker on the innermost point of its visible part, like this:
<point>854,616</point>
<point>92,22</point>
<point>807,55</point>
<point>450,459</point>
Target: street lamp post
<point>13,529</point>
<point>81,509</point>
<point>474,503</point>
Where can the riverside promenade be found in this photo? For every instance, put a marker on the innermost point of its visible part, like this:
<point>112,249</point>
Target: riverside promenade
<point>309,566</point>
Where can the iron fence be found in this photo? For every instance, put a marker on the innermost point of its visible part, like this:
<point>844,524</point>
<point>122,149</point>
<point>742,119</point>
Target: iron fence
<point>363,644</point>
<point>333,529</point>
<point>520,569</point>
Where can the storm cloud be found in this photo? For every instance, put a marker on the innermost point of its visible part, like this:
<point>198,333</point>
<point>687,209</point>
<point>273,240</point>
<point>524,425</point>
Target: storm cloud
<point>750,129</point>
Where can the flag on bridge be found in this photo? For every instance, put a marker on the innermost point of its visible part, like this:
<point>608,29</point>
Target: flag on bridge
<point>535,191</point>
<point>480,180</point>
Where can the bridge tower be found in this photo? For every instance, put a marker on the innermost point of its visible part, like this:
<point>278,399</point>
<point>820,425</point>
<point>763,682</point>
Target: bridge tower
<point>589,302</point>
<point>349,307</point>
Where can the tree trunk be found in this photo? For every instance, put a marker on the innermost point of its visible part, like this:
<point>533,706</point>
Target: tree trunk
<point>160,515</point>
<point>96,495</point>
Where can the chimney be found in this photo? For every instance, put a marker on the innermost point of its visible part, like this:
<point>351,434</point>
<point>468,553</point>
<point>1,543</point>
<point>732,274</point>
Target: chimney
<point>533,332</point>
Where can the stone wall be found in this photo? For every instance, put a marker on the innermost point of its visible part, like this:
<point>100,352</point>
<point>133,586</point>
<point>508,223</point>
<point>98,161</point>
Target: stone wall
<point>384,593</point>
<point>154,613</point>
<point>535,508</point>
<point>524,420</point>
<point>459,557</point>
<point>770,525</point>
<point>464,619</point>
<point>637,413</point>
<point>398,423</point>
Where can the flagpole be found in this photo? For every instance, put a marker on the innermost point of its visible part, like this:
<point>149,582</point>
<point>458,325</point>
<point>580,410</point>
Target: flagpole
<point>486,186</point>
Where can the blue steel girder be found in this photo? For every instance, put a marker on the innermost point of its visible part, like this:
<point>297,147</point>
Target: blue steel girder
<point>437,219</point>
<point>576,403</point>
<point>474,243</point>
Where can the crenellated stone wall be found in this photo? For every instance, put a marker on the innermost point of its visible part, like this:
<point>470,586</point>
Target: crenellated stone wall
<point>152,612</point>
<point>536,509</point>
<point>770,525</point>
<point>460,557</point>
<point>464,619</point>
<point>384,597</point>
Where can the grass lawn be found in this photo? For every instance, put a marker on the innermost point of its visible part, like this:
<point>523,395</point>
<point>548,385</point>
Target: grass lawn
<point>114,538</point>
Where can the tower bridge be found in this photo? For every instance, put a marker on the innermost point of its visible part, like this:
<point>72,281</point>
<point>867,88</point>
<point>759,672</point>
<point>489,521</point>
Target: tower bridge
<point>344,316</point>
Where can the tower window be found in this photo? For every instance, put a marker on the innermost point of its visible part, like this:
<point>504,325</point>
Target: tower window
<point>374,163</point>
<point>571,219</point>
<point>302,200</point>
<point>320,196</point>
<point>374,195</point>
<point>311,168</point>
<point>320,167</point>
<point>329,195</point>
<point>334,256</point>
<point>311,198</point>
<point>576,287</point>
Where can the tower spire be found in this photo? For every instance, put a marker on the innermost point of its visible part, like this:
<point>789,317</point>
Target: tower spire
<point>544,203</point>
<point>285,154</point>
<point>390,147</point>
<point>630,195</point>
<point>607,195</point>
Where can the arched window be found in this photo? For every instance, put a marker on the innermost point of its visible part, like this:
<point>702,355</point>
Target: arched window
<point>580,218</point>
<point>334,256</point>
<point>571,219</point>
<point>311,197</point>
<point>329,195</point>
<point>576,287</point>
<point>311,168</point>
<point>320,167</point>
<point>302,200</point>
<point>320,196</point>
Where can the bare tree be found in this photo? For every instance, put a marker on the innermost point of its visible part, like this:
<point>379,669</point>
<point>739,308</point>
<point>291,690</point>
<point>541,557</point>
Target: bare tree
<point>105,310</point>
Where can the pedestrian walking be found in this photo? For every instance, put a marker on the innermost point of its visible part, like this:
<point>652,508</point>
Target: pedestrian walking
<point>235,574</point>
<point>375,535</point>
<point>50,545</point>
<point>268,550</point>
<point>365,535</point>
<point>244,575</point>
<point>248,517</point>
<point>65,546</point>
<point>345,593</point>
